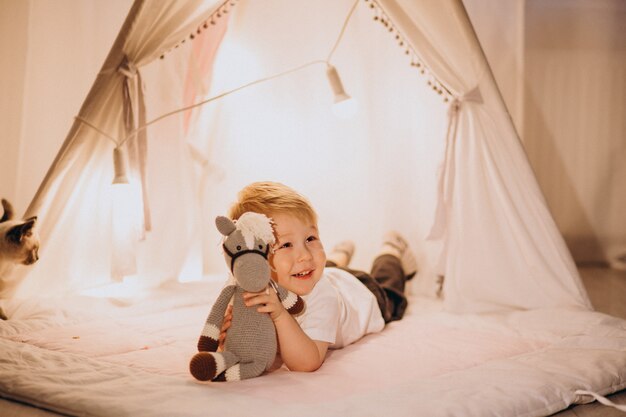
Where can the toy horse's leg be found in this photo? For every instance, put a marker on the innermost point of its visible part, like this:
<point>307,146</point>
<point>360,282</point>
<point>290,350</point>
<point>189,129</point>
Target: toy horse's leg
<point>243,370</point>
<point>205,366</point>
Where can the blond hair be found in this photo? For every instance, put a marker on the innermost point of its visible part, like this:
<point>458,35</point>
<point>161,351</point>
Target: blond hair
<point>272,198</point>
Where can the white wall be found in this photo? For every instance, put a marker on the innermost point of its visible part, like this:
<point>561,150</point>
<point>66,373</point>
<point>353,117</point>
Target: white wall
<point>575,119</point>
<point>13,44</point>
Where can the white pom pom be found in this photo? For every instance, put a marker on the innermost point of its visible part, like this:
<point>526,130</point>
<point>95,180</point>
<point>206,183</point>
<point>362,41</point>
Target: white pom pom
<point>255,226</point>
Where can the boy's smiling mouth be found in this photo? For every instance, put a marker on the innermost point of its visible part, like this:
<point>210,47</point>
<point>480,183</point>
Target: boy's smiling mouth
<point>304,274</point>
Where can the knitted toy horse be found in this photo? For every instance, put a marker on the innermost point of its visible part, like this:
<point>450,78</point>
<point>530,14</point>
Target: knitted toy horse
<point>250,346</point>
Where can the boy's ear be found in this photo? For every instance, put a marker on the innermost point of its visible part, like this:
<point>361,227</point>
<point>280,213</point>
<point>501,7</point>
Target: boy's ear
<point>225,225</point>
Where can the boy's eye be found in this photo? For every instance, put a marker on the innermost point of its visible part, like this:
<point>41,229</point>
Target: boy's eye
<point>285,245</point>
<point>311,238</point>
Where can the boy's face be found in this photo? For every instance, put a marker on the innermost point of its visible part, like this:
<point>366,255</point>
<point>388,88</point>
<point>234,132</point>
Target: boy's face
<point>299,256</point>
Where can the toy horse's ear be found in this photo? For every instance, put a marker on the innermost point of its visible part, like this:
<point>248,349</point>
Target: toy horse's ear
<point>225,225</point>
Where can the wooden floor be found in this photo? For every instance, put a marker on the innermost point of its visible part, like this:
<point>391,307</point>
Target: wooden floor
<point>607,291</point>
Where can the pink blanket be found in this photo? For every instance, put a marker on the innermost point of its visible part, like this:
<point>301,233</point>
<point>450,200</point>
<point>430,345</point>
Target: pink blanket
<point>78,354</point>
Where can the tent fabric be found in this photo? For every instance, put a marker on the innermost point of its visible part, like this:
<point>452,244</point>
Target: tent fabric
<point>492,185</point>
<point>501,248</point>
<point>83,168</point>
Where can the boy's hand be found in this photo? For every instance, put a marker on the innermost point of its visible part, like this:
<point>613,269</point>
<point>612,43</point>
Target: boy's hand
<point>267,301</point>
<point>228,318</point>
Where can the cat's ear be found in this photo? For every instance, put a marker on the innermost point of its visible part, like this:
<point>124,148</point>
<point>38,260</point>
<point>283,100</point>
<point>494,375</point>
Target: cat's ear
<point>18,232</point>
<point>8,211</point>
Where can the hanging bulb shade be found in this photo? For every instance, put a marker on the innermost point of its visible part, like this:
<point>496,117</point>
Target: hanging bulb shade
<point>119,166</point>
<point>336,84</point>
<point>344,106</point>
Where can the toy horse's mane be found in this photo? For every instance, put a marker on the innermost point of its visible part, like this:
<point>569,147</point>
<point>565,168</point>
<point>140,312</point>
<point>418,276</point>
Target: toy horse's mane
<point>255,226</point>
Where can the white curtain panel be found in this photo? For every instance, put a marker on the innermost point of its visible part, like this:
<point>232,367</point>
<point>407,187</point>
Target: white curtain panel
<point>503,248</point>
<point>74,200</point>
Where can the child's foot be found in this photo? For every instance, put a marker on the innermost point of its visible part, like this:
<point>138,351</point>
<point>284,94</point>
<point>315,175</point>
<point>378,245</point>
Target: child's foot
<point>394,244</point>
<point>341,253</point>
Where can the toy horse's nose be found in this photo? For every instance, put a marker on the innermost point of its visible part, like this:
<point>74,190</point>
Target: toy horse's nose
<point>252,272</point>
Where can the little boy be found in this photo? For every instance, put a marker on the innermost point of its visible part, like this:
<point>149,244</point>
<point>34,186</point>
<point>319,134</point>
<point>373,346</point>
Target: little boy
<point>342,305</point>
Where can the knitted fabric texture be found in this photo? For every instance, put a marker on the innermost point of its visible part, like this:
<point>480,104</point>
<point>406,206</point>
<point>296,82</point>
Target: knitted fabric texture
<point>250,346</point>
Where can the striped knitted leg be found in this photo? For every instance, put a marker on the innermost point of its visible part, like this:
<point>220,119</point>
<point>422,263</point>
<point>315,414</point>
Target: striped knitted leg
<point>293,303</point>
<point>205,366</point>
<point>242,370</point>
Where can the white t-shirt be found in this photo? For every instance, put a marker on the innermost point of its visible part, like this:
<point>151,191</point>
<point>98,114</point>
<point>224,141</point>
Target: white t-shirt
<point>340,310</point>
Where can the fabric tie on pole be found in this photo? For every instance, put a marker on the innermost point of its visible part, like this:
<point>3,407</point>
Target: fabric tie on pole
<point>446,171</point>
<point>134,117</point>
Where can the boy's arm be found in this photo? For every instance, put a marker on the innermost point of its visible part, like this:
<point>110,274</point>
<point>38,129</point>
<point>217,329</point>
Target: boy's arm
<point>298,351</point>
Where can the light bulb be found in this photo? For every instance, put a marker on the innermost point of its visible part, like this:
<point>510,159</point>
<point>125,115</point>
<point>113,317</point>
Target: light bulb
<point>344,106</point>
<point>119,166</point>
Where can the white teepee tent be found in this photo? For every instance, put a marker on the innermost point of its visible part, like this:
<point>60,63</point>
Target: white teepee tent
<point>432,151</point>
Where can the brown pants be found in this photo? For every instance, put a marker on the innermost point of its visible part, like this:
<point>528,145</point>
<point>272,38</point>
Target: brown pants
<point>386,281</point>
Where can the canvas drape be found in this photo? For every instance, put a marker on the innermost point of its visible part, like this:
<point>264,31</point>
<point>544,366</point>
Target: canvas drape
<point>501,247</point>
<point>74,200</point>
